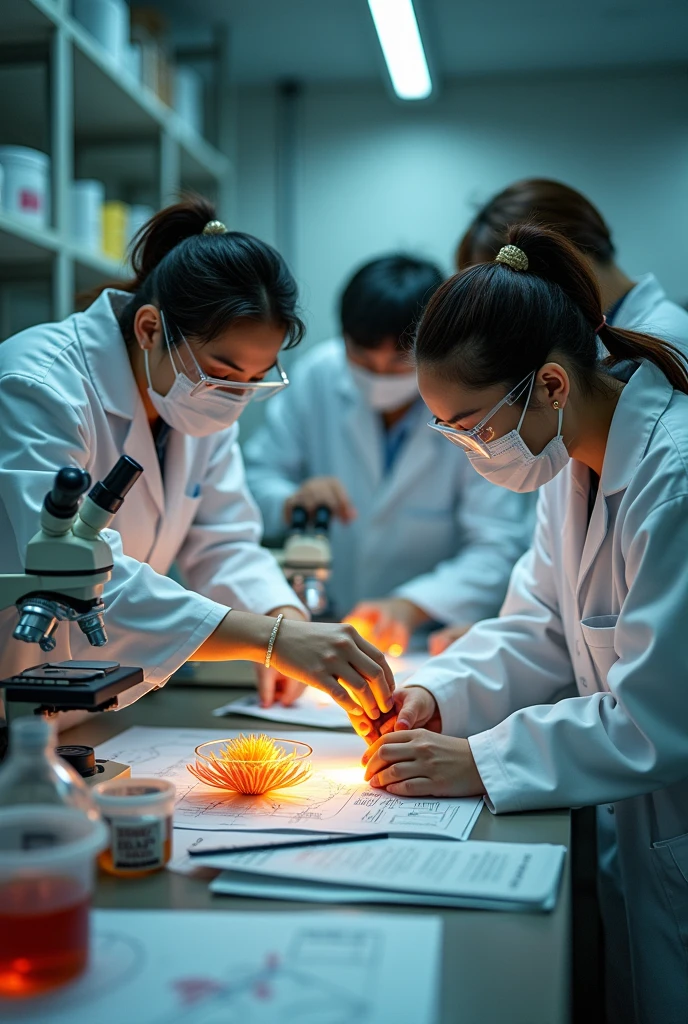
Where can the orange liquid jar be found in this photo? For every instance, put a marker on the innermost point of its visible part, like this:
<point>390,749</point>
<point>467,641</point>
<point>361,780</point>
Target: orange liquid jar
<point>43,934</point>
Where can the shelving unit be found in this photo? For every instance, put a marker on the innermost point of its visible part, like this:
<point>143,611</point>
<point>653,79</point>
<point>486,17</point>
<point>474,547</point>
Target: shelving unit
<point>65,95</point>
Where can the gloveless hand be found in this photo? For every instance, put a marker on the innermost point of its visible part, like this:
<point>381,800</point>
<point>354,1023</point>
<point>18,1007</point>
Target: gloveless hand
<point>414,707</point>
<point>443,638</point>
<point>273,686</point>
<point>334,658</point>
<point>388,622</point>
<point>418,762</point>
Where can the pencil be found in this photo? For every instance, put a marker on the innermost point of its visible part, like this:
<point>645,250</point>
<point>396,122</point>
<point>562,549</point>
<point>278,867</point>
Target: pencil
<point>257,847</point>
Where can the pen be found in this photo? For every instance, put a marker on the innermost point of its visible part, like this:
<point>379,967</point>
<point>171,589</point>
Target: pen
<point>257,847</point>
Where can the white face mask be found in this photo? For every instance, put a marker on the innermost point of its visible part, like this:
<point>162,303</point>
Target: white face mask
<point>511,463</point>
<point>197,415</point>
<point>385,392</point>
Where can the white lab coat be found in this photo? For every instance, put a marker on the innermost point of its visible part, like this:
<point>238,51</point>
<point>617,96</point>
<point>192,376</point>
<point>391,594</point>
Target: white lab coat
<point>604,606</point>
<point>68,397</point>
<point>431,530</point>
<point>646,308</point>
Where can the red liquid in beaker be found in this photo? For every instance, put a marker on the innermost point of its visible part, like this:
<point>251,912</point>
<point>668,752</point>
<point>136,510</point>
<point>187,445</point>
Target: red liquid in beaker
<point>43,934</point>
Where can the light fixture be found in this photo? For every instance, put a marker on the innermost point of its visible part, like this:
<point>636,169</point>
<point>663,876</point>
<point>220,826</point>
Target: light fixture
<point>402,47</point>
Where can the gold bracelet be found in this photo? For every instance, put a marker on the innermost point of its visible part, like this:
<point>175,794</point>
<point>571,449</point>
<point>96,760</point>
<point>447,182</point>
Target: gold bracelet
<point>273,637</point>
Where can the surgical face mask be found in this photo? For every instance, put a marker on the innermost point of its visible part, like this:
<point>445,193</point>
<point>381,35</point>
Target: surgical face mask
<point>206,405</point>
<point>508,461</point>
<point>385,392</point>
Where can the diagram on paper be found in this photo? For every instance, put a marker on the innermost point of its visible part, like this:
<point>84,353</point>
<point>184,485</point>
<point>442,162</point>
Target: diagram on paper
<point>334,799</point>
<point>215,967</point>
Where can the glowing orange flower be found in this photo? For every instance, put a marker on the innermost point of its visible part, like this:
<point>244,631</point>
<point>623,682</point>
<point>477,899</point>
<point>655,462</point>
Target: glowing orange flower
<point>252,764</point>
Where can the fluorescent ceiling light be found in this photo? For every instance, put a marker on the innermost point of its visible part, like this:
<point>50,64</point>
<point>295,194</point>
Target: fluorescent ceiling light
<point>402,47</point>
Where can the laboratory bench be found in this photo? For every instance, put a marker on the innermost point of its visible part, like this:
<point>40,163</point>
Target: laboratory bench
<point>498,967</point>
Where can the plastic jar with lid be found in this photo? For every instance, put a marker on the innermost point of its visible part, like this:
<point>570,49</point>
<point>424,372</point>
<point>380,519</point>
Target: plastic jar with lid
<point>138,812</point>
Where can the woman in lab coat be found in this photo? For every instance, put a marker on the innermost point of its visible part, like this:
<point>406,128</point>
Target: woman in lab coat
<point>416,536</point>
<point>507,357</point>
<point>161,371</point>
<point>636,305</point>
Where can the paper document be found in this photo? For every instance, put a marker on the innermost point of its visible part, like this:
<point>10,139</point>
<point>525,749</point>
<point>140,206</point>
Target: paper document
<point>191,967</point>
<point>315,708</point>
<point>334,799</point>
<point>510,875</point>
<point>185,839</point>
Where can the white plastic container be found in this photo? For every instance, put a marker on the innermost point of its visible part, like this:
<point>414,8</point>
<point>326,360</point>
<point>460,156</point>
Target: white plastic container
<point>188,97</point>
<point>139,813</point>
<point>108,23</point>
<point>47,859</point>
<point>88,196</point>
<point>26,184</point>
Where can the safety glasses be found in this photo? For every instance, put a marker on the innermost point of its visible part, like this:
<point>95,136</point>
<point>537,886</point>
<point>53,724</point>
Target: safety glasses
<point>476,440</point>
<point>184,361</point>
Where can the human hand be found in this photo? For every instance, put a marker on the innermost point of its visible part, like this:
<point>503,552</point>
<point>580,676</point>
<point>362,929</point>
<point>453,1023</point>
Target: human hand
<point>334,658</point>
<point>414,707</point>
<point>421,763</point>
<point>321,490</point>
<point>443,638</point>
<point>388,622</point>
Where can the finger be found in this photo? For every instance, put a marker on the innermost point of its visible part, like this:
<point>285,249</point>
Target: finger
<point>398,639</point>
<point>414,787</point>
<point>369,681</point>
<point>438,642</point>
<point>364,728</point>
<point>290,690</point>
<point>386,681</point>
<point>410,713</point>
<point>267,680</point>
<point>392,737</point>
<point>395,773</point>
<point>331,685</point>
<point>386,755</point>
<point>359,689</point>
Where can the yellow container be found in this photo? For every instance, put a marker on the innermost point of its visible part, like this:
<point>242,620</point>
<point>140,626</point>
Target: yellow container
<point>115,229</point>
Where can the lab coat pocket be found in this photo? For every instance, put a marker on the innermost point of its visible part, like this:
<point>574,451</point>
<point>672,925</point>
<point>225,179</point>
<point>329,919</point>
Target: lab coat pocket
<point>599,634</point>
<point>670,858</point>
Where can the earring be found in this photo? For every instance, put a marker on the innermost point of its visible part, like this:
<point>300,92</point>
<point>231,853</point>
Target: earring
<point>555,405</point>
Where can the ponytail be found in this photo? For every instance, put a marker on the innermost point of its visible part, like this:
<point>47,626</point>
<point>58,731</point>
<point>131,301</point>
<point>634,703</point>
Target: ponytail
<point>206,280</point>
<point>496,322</point>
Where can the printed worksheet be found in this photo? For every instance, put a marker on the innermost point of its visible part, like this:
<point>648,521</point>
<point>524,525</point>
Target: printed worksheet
<point>334,799</point>
<point>504,876</point>
<point>205,967</point>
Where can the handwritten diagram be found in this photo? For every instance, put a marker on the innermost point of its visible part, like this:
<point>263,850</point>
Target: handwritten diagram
<point>334,799</point>
<point>217,967</point>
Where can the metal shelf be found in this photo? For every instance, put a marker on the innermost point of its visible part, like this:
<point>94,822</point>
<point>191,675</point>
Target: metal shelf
<point>22,243</point>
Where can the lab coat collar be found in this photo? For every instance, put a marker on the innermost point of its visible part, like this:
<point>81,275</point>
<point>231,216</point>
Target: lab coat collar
<point>637,305</point>
<point>642,402</point>
<point>106,355</point>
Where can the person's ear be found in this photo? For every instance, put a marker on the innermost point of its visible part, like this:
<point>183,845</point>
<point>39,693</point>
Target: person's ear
<point>555,380</point>
<point>147,327</point>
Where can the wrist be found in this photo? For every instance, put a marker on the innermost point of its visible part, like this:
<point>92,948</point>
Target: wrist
<point>245,635</point>
<point>412,615</point>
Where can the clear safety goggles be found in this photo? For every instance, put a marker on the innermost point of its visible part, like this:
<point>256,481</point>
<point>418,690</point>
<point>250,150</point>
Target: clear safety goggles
<point>476,439</point>
<point>184,361</point>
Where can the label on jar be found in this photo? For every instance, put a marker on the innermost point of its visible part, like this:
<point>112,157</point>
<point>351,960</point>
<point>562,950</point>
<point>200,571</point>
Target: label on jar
<point>137,843</point>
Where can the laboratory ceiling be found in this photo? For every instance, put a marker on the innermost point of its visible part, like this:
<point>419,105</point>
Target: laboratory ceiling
<point>334,40</point>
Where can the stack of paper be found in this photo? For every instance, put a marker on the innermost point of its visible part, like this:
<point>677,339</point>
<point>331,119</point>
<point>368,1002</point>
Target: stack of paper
<point>495,876</point>
<point>190,967</point>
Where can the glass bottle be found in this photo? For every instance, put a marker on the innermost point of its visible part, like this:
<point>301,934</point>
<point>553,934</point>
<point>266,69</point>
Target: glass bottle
<point>32,773</point>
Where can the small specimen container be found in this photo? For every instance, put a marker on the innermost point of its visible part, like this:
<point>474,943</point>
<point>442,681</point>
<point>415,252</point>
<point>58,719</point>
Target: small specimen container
<point>139,815</point>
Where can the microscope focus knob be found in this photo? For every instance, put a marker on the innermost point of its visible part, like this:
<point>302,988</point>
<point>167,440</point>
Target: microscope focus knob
<point>63,500</point>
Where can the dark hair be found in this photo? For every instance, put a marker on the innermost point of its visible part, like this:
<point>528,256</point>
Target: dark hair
<point>205,282</point>
<point>491,324</point>
<point>550,204</point>
<point>386,297</point>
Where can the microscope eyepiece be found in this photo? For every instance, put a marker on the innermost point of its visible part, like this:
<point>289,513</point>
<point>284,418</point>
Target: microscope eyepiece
<point>62,501</point>
<point>321,522</point>
<point>109,493</point>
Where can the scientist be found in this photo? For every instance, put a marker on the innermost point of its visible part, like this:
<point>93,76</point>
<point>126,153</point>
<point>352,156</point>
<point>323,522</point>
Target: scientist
<point>508,362</point>
<point>636,305</point>
<point>161,370</point>
<point>417,535</point>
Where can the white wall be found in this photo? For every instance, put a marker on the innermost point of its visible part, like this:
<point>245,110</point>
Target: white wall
<point>373,176</point>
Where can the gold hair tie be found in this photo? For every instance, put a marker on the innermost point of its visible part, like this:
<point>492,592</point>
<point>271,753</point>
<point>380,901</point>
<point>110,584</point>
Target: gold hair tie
<point>513,257</point>
<point>214,227</point>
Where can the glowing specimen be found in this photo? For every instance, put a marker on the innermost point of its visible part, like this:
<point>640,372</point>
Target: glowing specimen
<point>252,764</point>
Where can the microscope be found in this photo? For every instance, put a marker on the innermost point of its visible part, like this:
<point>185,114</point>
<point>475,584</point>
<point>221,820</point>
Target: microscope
<point>307,560</point>
<point>68,562</point>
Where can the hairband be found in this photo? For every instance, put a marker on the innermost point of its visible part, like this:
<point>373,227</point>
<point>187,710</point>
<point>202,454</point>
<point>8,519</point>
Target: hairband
<point>214,227</point>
